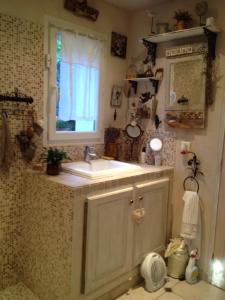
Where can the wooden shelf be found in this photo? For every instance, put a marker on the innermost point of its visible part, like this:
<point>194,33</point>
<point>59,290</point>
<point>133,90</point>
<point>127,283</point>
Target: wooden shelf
<point>179,34</point>
<point>134,82</point>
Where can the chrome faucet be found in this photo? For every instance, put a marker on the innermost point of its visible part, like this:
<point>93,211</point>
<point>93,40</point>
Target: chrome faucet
<point>89,154</point>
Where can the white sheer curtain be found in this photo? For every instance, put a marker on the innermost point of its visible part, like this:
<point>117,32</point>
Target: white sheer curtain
<point>79,77</point>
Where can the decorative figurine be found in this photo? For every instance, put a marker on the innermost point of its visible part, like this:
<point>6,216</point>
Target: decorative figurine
<point>82,9</point>
<point>201,9</point>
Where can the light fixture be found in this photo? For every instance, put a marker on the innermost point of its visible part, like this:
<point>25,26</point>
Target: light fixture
<point>156,146</point>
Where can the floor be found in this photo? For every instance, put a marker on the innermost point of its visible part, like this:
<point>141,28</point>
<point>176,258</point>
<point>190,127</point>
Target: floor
<point>180,290</point>
<point>17,292</point>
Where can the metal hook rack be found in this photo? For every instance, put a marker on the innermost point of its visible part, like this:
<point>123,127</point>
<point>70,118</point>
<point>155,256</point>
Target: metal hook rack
<point>16,96</point>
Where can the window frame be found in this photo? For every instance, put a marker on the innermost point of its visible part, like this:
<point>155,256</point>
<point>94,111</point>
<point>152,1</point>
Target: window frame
<point>51,136</point>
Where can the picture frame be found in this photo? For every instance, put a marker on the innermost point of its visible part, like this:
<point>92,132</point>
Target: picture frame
<point>116,96</point>
<point>118,45</point>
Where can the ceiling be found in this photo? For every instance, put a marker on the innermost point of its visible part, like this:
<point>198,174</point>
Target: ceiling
<point>135,4</point>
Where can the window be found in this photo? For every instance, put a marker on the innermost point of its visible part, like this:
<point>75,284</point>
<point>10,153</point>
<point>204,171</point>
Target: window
<point>74,85</point>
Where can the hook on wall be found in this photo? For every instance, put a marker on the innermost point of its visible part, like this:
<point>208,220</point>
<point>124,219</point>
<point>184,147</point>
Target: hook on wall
<point>193,165</point>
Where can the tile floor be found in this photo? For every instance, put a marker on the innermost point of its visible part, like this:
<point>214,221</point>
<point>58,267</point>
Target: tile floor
<point>180,291</point>
<point>17,292</point>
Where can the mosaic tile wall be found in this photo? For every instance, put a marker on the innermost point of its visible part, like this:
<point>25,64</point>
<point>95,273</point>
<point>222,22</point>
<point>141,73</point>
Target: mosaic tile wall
<point>168,151</point>
<point>47,238</point>
<point>21,49</point>
<point>21,66</point>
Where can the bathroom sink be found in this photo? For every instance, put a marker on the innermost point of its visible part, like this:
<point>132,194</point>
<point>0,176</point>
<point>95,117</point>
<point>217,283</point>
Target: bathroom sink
<point>99,168</point>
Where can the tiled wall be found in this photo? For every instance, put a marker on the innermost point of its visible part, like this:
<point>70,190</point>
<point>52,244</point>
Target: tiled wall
<point>21,51</point>
<point>21,66</point>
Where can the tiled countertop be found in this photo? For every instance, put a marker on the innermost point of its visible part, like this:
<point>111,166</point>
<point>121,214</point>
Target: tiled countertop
<point>74,182</point>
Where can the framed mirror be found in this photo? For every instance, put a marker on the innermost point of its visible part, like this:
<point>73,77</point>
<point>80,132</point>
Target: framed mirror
<point>133,132</point>
<point>185,91</point>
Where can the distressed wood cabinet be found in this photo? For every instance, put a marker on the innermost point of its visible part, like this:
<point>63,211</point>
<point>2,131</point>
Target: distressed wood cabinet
<point>108,237</point>
<point>114,243</point>
<point>150,234</point>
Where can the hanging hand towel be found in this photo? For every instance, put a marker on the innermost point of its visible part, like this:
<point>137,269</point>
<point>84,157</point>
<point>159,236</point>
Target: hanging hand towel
<point>190,220</point>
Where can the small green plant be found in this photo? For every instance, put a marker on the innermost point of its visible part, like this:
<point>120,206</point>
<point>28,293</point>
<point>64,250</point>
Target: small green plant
<point>182,15</point>
<point>54,155</point>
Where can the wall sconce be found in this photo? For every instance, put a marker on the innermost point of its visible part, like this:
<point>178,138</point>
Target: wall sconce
<point>156,146</point>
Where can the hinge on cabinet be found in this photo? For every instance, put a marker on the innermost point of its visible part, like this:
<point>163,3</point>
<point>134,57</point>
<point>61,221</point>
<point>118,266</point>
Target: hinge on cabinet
<point>47,61</point>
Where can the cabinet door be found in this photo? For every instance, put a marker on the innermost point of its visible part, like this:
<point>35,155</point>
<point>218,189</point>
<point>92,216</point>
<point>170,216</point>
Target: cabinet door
<point>150,234</point>
<point>108,241</point>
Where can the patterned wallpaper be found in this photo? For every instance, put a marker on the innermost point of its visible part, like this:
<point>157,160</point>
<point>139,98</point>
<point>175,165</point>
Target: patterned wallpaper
<point>21,66</point>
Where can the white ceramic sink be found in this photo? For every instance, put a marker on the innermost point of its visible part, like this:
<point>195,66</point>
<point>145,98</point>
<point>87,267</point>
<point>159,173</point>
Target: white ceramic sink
<point>99,168</point>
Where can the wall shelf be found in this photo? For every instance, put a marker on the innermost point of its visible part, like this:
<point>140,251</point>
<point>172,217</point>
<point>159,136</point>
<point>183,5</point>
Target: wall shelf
<point>150,42</point>
<point>134,82</point>
<point>179,34</point>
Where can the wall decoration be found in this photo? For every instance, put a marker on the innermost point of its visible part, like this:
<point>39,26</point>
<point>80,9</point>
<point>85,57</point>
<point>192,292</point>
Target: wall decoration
<point>145,97</point>
<point>185,119</point>
<point>184,50</point>
<point>159,74</point>
<point>183,18</point>
<point>201,8</point>
<point>82,9</point>
<point>116,97</point>
<point>119,45</point>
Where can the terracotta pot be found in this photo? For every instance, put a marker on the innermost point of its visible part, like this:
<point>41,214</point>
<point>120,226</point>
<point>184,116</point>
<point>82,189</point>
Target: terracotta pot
<point>180,25</point>
<point>54,169</point>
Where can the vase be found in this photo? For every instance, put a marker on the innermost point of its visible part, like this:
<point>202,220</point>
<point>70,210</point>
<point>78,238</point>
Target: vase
<point>53,169</point>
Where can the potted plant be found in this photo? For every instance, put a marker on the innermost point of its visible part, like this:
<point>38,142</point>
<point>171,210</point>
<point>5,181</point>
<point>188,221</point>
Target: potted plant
<point>53,157</point>
<point>183,19</point>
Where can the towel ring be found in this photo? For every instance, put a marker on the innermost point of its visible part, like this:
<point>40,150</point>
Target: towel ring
<point>192,178</point>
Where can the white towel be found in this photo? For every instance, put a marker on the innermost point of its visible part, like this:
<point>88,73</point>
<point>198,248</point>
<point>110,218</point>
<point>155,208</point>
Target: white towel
<point>190,219</point>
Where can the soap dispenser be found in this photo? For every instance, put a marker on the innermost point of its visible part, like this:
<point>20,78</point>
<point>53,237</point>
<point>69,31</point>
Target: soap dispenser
<point>143,156</point>
<point>192,271</point>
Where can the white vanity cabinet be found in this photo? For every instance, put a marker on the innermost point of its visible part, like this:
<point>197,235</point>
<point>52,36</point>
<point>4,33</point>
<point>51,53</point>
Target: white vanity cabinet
<point>114,243</point>
<point>108,237</point>
<point>150,234</point>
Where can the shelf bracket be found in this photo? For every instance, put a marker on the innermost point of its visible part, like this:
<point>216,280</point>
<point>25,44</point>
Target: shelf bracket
<point>151,47</point>
<point>155,84</point>
<point>211,37</point>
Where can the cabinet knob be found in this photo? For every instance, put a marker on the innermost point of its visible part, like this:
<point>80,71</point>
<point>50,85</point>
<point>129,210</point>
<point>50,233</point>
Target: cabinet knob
<point>131,201</point>
<point>140,198</point>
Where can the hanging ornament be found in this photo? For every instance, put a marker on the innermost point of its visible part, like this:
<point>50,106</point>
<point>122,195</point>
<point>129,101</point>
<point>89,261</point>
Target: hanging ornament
<point>115,115</point>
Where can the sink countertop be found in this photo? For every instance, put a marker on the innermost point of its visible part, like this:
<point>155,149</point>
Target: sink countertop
<point>74,181</point>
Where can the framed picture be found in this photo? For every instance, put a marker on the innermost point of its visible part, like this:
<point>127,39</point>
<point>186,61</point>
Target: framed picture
<point>119,45</point>
<point>116,97</point>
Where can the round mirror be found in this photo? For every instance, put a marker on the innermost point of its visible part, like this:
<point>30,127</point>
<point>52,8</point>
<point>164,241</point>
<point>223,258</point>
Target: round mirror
<point>133,132</point>
<point>156,144</point>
